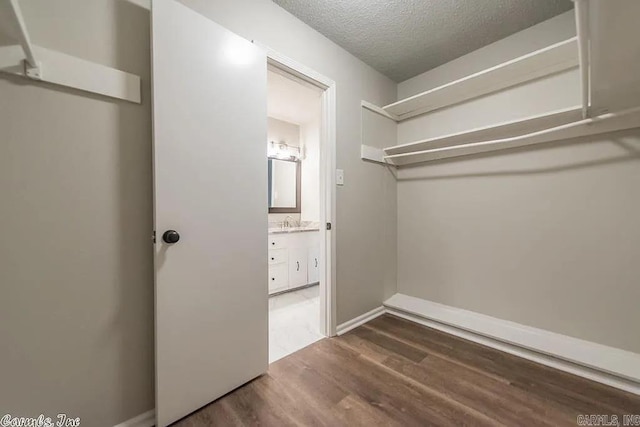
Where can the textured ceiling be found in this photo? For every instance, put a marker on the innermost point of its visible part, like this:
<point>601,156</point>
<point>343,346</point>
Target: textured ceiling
<point>403,38</point>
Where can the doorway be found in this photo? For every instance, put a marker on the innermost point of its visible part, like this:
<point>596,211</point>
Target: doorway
<point>301,159</point>
<point>210,256</point>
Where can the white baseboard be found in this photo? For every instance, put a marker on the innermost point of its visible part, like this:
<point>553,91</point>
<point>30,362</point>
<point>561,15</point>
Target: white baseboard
<point>364,318</point>
<point>148,419</point>
<point>608,365</point>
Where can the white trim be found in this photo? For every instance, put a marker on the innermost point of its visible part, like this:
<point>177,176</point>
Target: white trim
<point>487,133</point>
<point>582,31</point>
<point>327,180</point>
<point>609,122</point>
<point>615,367</point>
<point>66,70</point>
<point>372,154</point>
<point>296,68</point>
<point>328,210</point>
<point>148,419</point>
<point>543,359</point>
<point>543,62</point>
<point>345,327</point>
<point>374,108</point>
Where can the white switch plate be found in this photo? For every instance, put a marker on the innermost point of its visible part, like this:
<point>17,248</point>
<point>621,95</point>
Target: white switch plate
<point>339,177</point>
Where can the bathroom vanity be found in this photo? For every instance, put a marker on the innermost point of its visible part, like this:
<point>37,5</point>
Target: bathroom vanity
<point>294,258</point>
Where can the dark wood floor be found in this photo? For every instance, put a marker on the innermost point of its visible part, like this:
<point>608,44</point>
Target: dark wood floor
<point>392,372</point>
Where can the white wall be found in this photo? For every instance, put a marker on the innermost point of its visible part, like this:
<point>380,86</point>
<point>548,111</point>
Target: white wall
<point>362,252</point>
<point>380,132</point>
<point>75,176</point>
<point>546,236</point>
<point>546,33</point>
<point>310,141</point>
<point>281,131</point>
<point>76,263</point>
<point>307,138</point>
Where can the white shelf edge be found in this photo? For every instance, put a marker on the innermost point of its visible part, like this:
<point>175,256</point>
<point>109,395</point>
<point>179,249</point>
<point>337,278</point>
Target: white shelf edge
<point>549,60</point>
<point>374,108</point>
<point>506,129</point>
<point>582,31</point>
<point>609,122</point>
<point>372,154</point>
<point>66,70</point>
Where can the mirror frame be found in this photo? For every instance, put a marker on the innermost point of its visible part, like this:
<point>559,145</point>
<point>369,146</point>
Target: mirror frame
<point>298,207</point>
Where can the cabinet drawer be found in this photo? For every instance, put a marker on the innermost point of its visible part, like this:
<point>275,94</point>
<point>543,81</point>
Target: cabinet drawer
<point>277,256</point>
<point>278,277</point>
<point>277,242</point>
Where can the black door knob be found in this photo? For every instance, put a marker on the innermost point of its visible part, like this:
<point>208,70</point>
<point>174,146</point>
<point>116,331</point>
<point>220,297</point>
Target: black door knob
<point>171,236</point>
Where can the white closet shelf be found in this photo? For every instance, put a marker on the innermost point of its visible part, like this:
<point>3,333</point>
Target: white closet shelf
<point>549,60</point>
<point>502,130</point>
<point>41,64</point>
<point>609,122</point>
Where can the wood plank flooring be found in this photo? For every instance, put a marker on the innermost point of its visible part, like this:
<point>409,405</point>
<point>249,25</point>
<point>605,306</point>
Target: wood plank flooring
<point>392,372</point>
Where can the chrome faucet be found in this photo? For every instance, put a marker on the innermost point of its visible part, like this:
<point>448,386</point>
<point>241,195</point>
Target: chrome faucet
<point>286,223</point>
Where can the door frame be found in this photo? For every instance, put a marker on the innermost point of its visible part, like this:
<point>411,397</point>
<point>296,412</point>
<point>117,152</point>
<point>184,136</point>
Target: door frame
<point>327,180</point>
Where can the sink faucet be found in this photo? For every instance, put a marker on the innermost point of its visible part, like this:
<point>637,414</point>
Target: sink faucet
<point>286,221</point>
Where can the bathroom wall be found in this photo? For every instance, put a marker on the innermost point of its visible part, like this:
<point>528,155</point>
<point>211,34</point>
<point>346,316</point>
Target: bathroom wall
<point>307,138</point>
<point>281,131</point>
<point>545,236</point>
<point>310,141</point>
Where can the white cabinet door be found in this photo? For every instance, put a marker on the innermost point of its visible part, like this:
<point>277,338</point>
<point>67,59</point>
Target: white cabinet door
<point>278,277</point>
<point>313,265</point>
<point>297,267</point>
<point>209,124</point>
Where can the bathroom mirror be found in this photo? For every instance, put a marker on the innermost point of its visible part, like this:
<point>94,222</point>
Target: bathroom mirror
<point>284,186</point>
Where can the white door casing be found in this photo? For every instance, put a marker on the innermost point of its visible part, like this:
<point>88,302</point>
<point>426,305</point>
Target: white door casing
<point>210,172</point>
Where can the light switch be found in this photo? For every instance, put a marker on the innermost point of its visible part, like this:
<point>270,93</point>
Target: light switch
<point>339,177</point>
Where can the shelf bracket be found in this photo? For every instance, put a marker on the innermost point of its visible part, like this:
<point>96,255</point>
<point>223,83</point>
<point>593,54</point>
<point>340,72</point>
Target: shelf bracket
<point>40,64</point>
<point>582,29</point>
<point>378,110</point>
<point>373,154</point>
<point>31,64</point>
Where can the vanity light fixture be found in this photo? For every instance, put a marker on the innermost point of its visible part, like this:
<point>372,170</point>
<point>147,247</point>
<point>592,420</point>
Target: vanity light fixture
<point>283,151</point>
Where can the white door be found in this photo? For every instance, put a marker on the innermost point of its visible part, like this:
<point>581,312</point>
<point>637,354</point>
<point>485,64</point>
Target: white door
<point>210,171</point>
<point>297,267</point>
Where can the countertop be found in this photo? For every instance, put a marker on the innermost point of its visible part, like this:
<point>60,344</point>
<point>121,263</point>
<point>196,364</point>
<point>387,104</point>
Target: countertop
<point>292,230</point>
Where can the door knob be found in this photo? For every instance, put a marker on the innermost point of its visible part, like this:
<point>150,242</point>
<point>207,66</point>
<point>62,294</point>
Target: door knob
<point>171,236</point>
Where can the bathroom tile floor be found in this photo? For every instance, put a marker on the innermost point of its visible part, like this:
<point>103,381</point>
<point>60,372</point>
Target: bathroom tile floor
<point>294,321</point>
